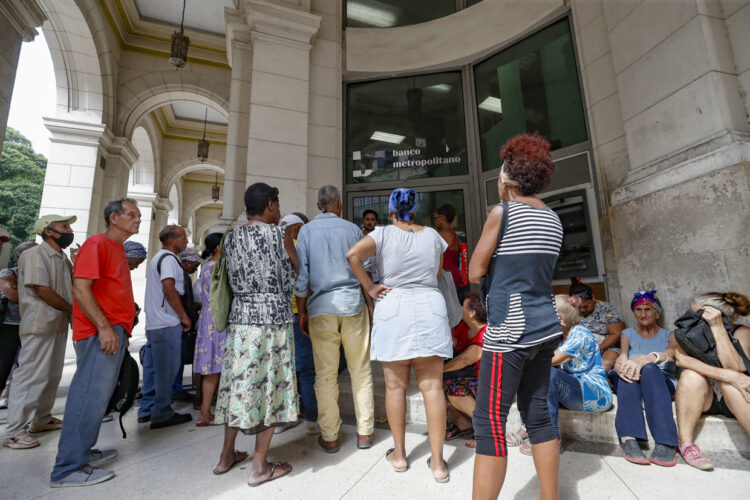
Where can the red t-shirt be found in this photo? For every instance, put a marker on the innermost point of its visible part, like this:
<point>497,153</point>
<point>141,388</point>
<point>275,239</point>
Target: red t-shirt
<point>461,334</point>
<point>103,260</point>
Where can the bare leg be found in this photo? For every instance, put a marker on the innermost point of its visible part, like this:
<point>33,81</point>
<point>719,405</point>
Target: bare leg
<point>737,403</point>
<point>261,468</point>
<point>693,397</point>
<point>228,455</point>
<point>210,382</point>
<point>547,464</point>
<point>396,382</point>
<point>464,404</point>
<point>608,359</point>
<point>486,466</point>
<point>429,372</point>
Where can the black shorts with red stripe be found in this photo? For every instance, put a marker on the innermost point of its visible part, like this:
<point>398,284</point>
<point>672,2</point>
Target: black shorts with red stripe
<point>502,376</point>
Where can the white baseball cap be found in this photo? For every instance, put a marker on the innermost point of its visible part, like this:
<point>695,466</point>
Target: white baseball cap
<point>290,220</point>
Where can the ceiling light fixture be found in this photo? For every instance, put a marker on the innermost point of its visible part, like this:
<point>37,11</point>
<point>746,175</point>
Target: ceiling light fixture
<point>440,87</point>
<point>203,143</point>
<point>215,189</point>
<point>180,44</point>
<point>381,16</point>
<point>492,104</point>
<point>386,137</point>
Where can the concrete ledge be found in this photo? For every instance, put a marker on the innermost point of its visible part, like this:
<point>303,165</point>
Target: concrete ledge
<point>713,434</point>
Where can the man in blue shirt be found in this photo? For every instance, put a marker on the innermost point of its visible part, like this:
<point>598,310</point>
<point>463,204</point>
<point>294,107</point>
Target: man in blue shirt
<point>330,296</point>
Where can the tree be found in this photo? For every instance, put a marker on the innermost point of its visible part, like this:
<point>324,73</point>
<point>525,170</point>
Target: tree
<point>21,183</point>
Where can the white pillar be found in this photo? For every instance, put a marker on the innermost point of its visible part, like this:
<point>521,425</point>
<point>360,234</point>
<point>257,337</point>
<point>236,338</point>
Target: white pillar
<point>119,155</point>
<point>160,214</point>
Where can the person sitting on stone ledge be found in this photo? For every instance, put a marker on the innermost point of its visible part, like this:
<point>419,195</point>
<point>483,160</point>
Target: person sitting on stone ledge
<point>602,319</point>
<point>580,383</point>
<point>645,372</point>
<point>460,374</point>
<point>710,390</point>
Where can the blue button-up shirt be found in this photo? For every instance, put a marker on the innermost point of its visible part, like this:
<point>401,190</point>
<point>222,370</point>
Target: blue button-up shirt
<point>321,249</point>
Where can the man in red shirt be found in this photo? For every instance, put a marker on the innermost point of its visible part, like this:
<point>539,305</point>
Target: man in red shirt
<point>103,313</point>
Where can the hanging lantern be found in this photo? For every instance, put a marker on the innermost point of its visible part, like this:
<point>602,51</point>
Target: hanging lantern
<point>203,143</point>
<point>215,189</point>
<point>180,44</point>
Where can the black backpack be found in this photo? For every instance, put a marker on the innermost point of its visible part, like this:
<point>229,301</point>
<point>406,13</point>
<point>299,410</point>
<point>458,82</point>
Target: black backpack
<point>125,389</point>
<point>695,337</point>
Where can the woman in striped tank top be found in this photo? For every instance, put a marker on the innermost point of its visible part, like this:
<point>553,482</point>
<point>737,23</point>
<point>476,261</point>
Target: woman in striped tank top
<point>517,252</point>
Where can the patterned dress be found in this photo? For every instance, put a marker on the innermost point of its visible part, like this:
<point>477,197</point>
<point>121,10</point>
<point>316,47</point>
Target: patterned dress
<point>258,387</point>
<point>209,344</point>
<point>586,366</point>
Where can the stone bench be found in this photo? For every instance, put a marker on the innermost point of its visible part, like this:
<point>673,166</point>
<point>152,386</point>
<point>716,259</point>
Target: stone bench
<point>713,433</point>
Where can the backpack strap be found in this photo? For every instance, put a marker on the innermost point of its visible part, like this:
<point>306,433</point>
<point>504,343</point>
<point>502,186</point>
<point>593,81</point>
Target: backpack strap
<point>158,271</point>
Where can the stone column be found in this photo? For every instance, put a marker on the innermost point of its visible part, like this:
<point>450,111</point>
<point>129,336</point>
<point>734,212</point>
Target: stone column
<point>73,181</point>
<point>119,155</point>
<point>160,214</point>
<point>18,22</point>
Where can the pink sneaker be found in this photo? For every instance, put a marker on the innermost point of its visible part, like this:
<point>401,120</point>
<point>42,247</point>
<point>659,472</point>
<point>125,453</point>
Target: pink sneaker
<point>693,456</point>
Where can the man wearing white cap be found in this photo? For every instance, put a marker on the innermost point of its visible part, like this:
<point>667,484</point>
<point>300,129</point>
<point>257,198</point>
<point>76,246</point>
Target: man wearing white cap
<point>46,301</point>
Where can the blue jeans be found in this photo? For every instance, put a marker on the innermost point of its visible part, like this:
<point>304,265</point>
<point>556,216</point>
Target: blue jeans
<point>90,391</point>
<point>305,367</point>
<point>565,391</point>
<point>177,383</point>
<point>161,361</point>
<point>656,391</point>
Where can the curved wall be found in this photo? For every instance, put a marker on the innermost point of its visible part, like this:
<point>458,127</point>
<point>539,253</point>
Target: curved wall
<point>457,39</point>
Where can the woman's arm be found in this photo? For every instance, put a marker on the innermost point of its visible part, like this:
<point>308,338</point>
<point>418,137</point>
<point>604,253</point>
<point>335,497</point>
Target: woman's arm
<point>623,366</point>
<point>737,379</point>
<point>468,356</point>
<point>357,255</point>
<point>728,355</point>
<point>447,235</point>
<point>9,287</point>
<point>560,357</point>
<point>480,259</point>
<point>291,251</point>
<point>614,331</point>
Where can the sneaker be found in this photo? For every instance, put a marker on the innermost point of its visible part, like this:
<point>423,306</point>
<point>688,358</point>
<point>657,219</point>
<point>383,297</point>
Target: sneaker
<point>22,441</point>
<point>52,425</point>
<point>98,456</point>
<point>3,403</point>
<point>282,428</point>
<point>663,455</point>
<point>312,428</point>
<point>85,476</point>
<point>692,456</point>
<point>632,452</point>
<point>175,419</point>
<point>108,417</point>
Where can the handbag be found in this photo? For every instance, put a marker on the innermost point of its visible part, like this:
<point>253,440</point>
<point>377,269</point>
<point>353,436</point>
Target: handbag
<point>486,280</point>
<point>220,291</point>
<point>695,337</point>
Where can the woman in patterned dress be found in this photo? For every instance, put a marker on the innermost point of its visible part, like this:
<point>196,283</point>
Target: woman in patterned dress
<point>209,343</point>
<point>258,387</point>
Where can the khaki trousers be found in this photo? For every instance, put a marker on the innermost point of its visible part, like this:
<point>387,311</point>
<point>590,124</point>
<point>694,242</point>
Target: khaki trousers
<point>327,334</point>
<point>35,381</point>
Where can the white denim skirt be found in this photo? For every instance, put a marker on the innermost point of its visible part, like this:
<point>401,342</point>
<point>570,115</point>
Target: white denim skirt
<point>410,323</point>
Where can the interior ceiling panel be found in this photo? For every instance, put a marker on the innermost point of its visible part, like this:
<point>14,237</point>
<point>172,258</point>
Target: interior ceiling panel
<point>188,110</point>
<point>205,15</point>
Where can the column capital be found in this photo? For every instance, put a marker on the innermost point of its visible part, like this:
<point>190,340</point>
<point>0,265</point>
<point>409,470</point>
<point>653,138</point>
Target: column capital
<point>75,132</point>
<point>143,197</point>
<point>282,22</point>
<point>24,15</point>
<point>162,204</point>
<point>119,147</point>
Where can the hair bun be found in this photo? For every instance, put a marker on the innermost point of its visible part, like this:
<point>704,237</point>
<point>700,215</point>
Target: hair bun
<point>739,302</point>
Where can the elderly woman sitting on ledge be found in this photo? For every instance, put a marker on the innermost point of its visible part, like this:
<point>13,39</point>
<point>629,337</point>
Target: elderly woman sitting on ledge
<point>645,372</point>
<point>710,390</point>
<point>460,374</point>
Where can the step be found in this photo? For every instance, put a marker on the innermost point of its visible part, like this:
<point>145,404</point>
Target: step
<point>713,433</point>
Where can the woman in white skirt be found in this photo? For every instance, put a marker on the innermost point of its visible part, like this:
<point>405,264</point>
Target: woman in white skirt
<point>410,323</point>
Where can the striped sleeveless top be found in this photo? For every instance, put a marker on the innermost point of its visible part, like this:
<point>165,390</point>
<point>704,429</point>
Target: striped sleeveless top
<point>520,304</point>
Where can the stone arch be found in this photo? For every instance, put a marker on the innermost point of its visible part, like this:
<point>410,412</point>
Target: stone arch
<point>76,35</point>
<point>143,94</point>
<point>192,207</point>
<point>174,199</point>
<point>175,172</point>
<point>143,172</point>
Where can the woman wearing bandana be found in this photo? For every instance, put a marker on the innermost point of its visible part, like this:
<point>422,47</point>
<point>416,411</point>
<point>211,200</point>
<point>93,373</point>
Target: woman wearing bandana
<point>645,371</point>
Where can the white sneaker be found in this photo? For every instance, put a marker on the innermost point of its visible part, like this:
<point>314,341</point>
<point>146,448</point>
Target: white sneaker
<point>312,428</point>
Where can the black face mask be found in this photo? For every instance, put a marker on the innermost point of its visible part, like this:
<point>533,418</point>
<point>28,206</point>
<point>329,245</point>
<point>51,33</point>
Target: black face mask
<point>64,240</point>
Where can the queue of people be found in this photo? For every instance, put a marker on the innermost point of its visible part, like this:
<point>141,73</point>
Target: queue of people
<point>308,297</point>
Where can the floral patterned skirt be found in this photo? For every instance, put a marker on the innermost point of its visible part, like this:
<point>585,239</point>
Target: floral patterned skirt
<point>258,387</point>
<point>461,387</point>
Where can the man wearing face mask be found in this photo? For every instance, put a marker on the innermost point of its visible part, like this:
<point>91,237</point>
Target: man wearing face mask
<point>46,302</point>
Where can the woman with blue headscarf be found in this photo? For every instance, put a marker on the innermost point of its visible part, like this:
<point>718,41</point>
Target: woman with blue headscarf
<point>645,371</point>
<point>410,322</point>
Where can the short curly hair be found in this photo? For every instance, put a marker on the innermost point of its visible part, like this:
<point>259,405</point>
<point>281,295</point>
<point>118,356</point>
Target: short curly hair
<point>528,162</point>
<point>475,305</point>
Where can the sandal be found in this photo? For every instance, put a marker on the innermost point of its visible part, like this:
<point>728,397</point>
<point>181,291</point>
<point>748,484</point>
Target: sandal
<point>440,479</point>
<point>516,439</point>
<point>205,423</point>
<point>471,443</point>
<point>397,469</point>
<point>271,477</point>
<point>452,432</point>
<point>238,457</point>
<point>21,442</point>
<point>525,447</point>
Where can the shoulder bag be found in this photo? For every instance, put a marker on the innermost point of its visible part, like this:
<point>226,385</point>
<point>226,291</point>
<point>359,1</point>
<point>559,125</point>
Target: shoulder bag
<point>695,337</point>
<point>220,291</point>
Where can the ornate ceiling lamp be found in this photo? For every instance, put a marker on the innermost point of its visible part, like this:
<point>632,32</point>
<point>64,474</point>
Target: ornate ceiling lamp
<point>180,44</point>
<point>203,143</point>
<point>215,189</point>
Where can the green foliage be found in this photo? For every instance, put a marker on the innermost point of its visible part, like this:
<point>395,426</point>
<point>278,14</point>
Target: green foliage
<point>21,184</point>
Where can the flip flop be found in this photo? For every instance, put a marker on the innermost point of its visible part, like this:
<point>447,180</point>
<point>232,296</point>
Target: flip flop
<point>439,479</point>
<point>271,476</point>
<point>397,469</point>
<point>471,443</point>
<point>454,432</point>
<point>236,461</point>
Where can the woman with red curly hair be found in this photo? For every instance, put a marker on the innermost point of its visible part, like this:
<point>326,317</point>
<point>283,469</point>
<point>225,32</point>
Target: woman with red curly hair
<point>516,254</point>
